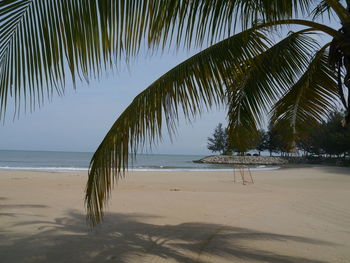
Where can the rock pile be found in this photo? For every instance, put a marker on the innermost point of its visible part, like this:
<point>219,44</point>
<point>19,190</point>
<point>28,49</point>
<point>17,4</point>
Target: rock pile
<point>254,160</point>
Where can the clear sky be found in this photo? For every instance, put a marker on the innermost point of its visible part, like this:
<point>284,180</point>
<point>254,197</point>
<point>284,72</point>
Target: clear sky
<point>79,120</point>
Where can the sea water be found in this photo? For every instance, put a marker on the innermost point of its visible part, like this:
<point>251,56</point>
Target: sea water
<point>79,161</point>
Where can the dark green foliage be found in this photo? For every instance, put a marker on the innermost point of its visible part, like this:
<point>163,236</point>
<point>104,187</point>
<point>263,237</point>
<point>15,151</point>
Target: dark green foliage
<point>272,142</point>
<point>285,138</point>
<point>280,138</point>
<point>242,140</point>
<point>218,141</point>
<point>309,139</point>
<point>336,138</point>
<point>329,137</point>
<point>262,141</point>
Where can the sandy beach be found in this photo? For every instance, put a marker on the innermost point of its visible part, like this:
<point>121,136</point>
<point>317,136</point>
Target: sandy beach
<point>296,215</point>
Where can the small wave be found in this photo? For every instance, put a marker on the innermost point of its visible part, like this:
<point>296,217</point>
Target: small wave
<point>137,169</point>
<point>179,170</point>
<point>49,169</point>
<point>196,169</point>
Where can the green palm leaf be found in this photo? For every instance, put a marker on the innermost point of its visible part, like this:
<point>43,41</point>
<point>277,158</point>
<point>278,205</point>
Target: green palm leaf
<point>265,78</point>
<point>323,8</point>
<point>195,84</point>
<point>258,75</point>
<point>41,42</point>
<point>313,96</point>
<point>197,20</point>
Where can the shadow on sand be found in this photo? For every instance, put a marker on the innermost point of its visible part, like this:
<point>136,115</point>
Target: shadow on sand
<point>124,237</point>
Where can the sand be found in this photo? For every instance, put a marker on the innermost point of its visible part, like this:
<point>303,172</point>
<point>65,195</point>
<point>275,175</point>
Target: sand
<point>297,215</point>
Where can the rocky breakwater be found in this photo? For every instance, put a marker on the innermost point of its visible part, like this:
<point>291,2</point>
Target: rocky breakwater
<point>247,160</point>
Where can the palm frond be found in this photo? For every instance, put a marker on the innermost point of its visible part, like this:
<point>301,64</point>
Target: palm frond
<point>42,42</point>
<point>340,10</point>
<point>323,8</point>
<point>313,96</point>
<point>190,87</point>
<point>265,79</point>
<point>198,21</point>
<point>39,40</point>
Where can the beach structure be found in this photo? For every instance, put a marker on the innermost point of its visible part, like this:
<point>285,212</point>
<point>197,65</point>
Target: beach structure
<point>243,171</point>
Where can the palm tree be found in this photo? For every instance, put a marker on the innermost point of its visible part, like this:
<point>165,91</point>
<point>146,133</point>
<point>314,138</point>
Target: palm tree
<point>293,78</point>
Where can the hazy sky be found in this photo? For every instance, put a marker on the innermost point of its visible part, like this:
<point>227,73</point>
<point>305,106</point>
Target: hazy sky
<point>79,120</point>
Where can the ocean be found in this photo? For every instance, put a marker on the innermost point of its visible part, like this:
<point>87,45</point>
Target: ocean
<point>79,161</point>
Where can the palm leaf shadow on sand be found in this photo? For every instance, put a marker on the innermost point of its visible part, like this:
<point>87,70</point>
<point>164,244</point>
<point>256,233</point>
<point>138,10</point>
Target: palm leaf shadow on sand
<point>126,238</point>
<point>11,210</point>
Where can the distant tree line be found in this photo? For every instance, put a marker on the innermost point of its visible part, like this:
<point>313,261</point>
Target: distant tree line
<point>328,138</point>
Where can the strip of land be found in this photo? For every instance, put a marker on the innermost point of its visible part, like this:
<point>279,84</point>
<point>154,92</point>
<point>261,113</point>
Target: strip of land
<point>289,215</point>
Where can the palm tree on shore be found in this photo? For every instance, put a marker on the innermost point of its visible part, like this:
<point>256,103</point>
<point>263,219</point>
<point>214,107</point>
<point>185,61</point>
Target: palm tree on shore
<point>294,78</point>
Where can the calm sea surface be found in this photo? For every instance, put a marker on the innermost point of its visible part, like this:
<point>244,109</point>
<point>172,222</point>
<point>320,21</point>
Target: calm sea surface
<point>79,161</point>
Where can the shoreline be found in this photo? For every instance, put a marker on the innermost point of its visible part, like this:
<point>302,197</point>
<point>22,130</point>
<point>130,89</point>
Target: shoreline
<point>177,169</point>
<point>257,168</point>
<point>292,166</point>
